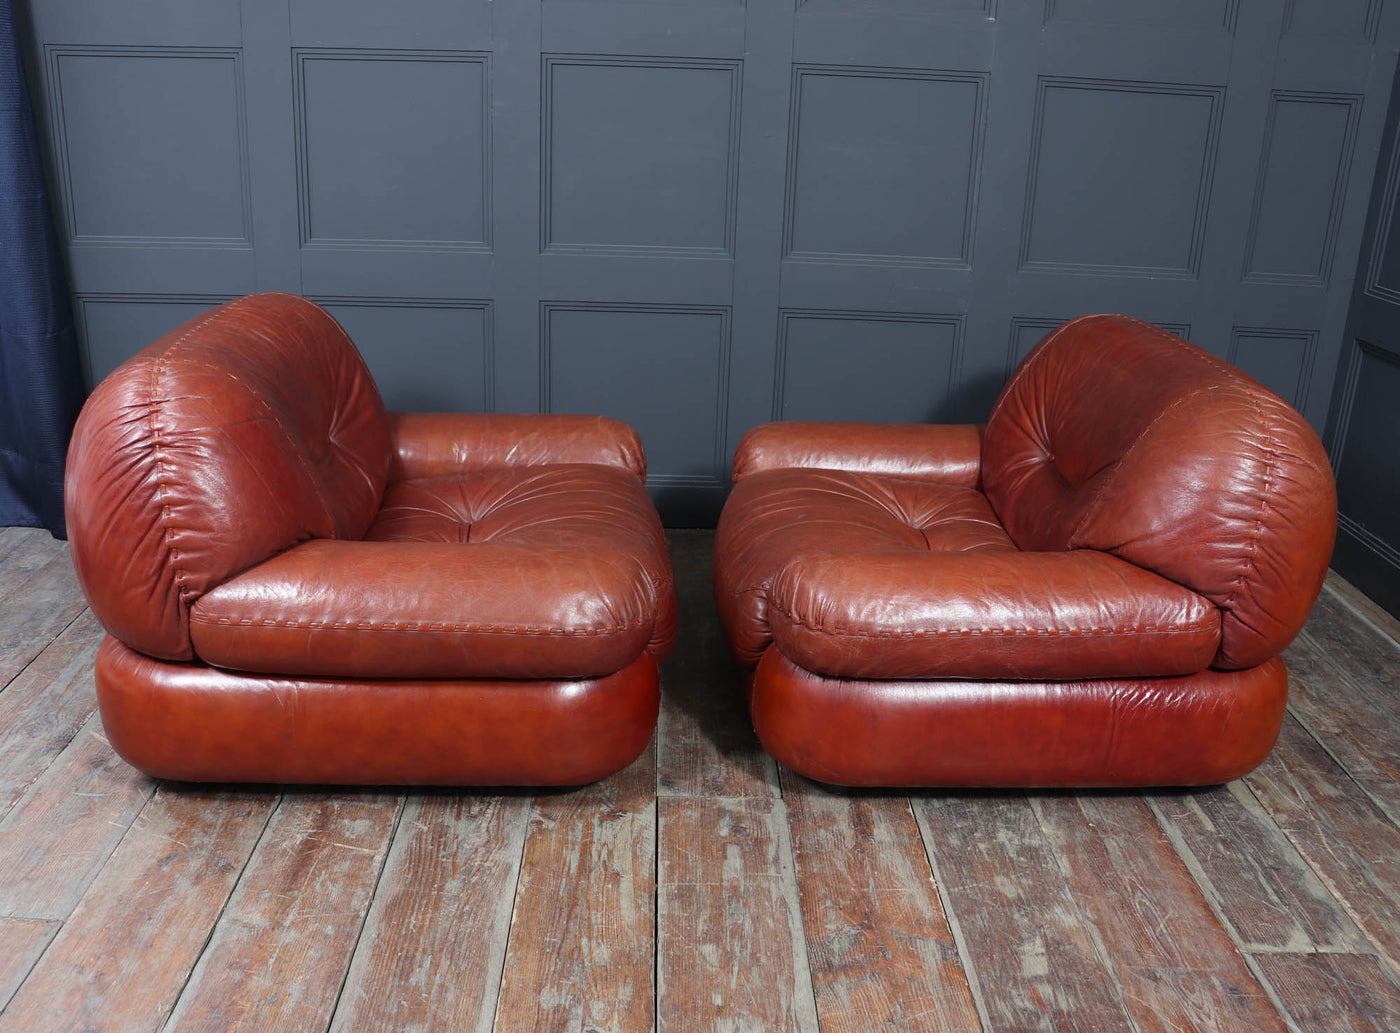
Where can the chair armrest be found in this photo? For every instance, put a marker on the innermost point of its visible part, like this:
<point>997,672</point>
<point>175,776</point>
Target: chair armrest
<point>943,452</point>
<point>358,609</point>
<point>442,444</point>
<point>1052,615</point>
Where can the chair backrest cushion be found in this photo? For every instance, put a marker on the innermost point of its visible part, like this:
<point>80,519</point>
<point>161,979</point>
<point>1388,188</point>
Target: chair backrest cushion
<point>1118,436</point>
<point>250,428</point>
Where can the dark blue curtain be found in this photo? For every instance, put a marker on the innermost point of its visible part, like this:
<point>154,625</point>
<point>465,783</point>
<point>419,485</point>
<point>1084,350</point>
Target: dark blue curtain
<point>40,384</point>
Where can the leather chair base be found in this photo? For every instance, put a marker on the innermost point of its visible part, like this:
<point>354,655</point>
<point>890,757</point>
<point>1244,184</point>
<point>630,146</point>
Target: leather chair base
<point>191,722</point>
<point>1200,729</point>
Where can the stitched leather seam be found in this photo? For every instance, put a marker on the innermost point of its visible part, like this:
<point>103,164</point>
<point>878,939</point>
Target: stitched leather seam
<point>493,629</point>
<point>1252,556</point>
<point>1123,630</point>
<point>157,454</point>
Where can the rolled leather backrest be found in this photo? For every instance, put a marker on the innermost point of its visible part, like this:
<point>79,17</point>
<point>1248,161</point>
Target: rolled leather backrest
<point>1117,436</point>
<point>248,429</point>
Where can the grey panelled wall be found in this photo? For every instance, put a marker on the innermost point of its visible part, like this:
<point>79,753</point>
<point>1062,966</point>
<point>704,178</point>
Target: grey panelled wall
<point>1363,428</point>
<point>698,215</point>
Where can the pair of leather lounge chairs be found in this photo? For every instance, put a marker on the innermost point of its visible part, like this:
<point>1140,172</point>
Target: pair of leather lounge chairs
<point>298,586</point>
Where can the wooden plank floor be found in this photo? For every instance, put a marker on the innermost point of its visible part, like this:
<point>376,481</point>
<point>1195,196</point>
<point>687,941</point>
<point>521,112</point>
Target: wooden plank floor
<point>702,888</point>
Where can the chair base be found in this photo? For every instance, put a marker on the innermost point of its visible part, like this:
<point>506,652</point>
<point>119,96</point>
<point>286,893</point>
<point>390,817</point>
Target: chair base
<point>1201,729</point>
<point>191,722</point>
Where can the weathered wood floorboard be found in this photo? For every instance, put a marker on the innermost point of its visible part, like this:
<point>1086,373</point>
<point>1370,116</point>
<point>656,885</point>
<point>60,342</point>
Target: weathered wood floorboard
<point>22,940</point>
<point>705,744</point>
<point>57,838</point>
<point>38,608</point>
<point>121,958</point>
<point>431,952</point>
<point>1252,874</point>
<point>1341,833</point>
<point>881,953</point>
<point>1172,961</point>
<point>826,909</point>
<point>729,932</point>
<point>23,550</point>
<point>280,950</point>
<point>1334,993</point>
<point>43,708</point>
<point>581,952</point>
<point>1032,951</point>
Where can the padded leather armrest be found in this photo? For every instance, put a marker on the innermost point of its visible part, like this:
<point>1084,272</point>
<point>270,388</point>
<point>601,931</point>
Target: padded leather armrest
<point>429,610</point>
<point>1051,615</point>
<point>943,452</point>
<point>443,444</point>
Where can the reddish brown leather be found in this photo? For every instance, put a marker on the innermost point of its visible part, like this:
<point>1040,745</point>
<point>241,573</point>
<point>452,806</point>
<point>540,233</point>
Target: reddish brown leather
<point>1196,730</point>
<point>448,444</point>
<point>1031,615</point>
<point>243,432</point>
<point>196,723</point>
<point>427,610</point>
<point>1117,436</point>
<point>581,507</point>
<point>775,516</point>
<point>947,453</point>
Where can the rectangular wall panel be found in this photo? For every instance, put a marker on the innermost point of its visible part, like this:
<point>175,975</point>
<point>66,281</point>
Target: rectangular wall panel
<point>1281,360</point>
<point>865,366</point>
<point>883,165</point>
<point>113,328</point>
<point>640,155</point>
<point>1120,176</point>
<point>663,369</point>
<point>150,144</point>
<point>394,149</point>
<point>1303,177</point>
<point>425,355</point>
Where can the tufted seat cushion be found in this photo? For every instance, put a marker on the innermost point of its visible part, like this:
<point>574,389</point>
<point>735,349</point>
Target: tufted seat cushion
<point>519,507</point>
<point>864,609</point>
<point>775,516</point>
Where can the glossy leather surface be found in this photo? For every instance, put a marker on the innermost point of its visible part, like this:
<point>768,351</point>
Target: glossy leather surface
<point>947,453</point>
<point>245,431</point>
<point>775,517</point>
<point>449,444</point>
<point>978,615</point>
<point>426,610</point>
<point>1196,730</point>
<point>196,723</point>
<point>607,509</point>
<point>417,597</point>
<point>1117,436</point>
<point>1154,530</point>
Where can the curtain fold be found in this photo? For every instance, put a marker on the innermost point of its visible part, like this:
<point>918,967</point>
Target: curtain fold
<point>40,383</point>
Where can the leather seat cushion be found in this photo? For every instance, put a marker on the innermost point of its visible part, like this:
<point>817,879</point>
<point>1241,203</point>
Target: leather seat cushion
<point>864,576</point>
<point>775,516</point>
<point>546,572</point>
<point>577,506</point>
